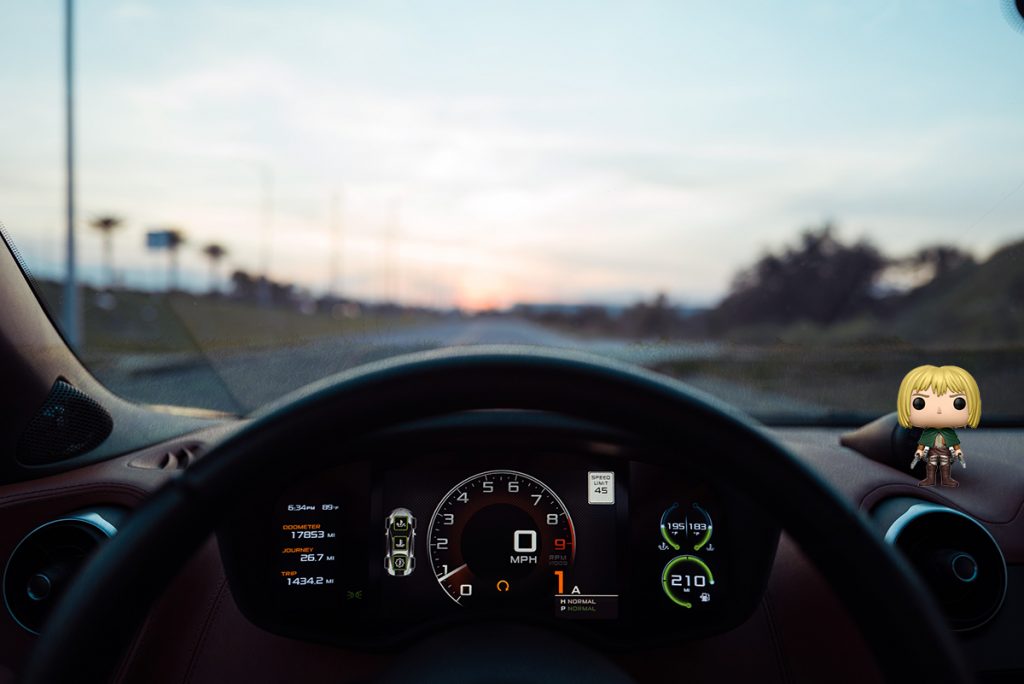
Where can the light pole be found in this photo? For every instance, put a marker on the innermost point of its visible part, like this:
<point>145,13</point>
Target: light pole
<point>334,286</point>
<point>267,212</point>
<point>392,283</point>
<point>72,305</point>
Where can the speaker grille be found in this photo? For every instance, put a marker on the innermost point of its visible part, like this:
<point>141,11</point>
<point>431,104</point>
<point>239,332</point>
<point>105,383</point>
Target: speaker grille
<point>69,423</point>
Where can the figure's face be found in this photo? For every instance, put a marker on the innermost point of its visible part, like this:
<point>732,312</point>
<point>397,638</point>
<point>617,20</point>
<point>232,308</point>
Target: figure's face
<point>930,410</point>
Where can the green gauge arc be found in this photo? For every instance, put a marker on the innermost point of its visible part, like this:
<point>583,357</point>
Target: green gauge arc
<point>707,533</point>
<point>705,538</point>
<point>668,571</point>
<point>664,531</point>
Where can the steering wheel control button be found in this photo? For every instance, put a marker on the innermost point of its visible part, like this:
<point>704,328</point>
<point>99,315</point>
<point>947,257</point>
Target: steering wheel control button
<point>687,581</point>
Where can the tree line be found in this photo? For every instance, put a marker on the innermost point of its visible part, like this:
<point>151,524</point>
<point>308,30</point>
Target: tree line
<point>821,279</point>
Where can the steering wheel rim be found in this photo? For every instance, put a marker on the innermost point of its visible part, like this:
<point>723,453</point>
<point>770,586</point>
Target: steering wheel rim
<point>102,609</point>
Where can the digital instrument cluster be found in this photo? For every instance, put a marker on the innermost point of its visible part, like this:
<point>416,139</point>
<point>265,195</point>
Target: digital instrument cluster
<point>542,541</point>
<point>588,536</point>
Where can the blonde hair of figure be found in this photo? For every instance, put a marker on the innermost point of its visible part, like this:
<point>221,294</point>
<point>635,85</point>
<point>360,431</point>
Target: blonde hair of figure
<point>939,379</point>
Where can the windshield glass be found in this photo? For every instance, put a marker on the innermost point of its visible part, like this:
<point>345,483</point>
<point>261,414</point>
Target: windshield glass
<point>788,205</point>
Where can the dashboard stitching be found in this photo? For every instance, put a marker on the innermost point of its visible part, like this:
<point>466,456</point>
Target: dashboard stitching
<point>128,659</point>
<point>1016,517</point>
<point>871,497</point>
<point>138,493</point>
<point>212,610</point>
<point>773,632</point>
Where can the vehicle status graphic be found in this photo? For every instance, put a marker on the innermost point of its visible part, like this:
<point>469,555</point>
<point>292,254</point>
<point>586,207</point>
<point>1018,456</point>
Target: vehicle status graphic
<point>400,536</point>
<point>308,534</point>
<point>504,538</point>
<point>378,550</point>
<point>686,578</point>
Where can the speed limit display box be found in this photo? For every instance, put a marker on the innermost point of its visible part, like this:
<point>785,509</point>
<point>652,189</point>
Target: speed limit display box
<point>600,487</point>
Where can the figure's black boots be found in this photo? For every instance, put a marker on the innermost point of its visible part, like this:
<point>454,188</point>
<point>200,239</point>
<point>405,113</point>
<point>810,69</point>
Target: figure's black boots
<point>947,480</point>
<point>929,476</point>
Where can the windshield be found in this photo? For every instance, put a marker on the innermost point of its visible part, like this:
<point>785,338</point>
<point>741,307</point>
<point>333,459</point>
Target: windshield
<point>788,205</point>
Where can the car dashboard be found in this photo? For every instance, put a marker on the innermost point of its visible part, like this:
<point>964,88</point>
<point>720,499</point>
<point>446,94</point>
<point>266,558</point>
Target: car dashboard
<point>496,516</point>
<point>232,615</point>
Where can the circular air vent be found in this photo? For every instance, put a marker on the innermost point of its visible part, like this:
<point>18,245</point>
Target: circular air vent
<point>956,556</point>
<point>44,562</point>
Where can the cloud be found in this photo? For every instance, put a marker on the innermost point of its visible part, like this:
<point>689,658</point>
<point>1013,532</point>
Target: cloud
<point>671,183</point>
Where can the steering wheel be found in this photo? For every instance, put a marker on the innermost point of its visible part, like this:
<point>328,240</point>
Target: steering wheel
<point>104,607</point>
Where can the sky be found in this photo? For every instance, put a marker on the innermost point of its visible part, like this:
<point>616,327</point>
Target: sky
<point>482,154</point>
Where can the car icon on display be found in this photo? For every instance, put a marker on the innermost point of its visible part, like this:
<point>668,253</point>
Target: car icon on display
<point>400,537</point>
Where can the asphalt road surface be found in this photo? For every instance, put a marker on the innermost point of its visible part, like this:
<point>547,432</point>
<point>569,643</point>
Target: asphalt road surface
<point>238,382</point>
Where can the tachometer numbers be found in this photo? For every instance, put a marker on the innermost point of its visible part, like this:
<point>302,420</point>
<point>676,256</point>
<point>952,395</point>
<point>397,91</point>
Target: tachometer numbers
<point>497,536</point>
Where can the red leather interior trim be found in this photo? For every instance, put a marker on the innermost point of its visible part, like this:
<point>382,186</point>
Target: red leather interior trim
<point>801,633</point>
<point>991,488</point>
<point>818,640</point>
<point>746,654</point>
<point>25,506</point>
<point>199,635</point>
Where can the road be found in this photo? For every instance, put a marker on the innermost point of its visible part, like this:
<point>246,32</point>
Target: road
<point>238,382</point>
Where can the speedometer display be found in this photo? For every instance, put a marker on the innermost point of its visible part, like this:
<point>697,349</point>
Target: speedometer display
<point>421,534</point>
<point>501,537</point>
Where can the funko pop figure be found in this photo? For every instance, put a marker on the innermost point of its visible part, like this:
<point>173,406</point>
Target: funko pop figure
<point>938,399</point>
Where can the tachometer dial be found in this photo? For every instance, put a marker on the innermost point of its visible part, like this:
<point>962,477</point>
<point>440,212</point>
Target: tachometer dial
<point>501,536</point>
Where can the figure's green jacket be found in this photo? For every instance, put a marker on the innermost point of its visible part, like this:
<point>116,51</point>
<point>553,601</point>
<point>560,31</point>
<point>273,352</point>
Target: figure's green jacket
<point>929,435</point>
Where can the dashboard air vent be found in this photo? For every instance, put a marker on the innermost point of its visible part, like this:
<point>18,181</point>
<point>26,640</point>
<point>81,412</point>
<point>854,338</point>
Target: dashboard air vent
<point>47,559</point>
<point>955,555</point>
<point>175,458</point>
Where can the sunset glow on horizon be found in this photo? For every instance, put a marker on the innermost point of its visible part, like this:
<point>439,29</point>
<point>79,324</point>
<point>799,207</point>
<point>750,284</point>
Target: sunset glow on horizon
<point>483,156</point>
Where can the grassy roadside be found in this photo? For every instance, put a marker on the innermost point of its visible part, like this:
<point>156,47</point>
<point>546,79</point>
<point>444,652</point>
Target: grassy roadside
<point>859,379</point>
<point>132,322</point>
<point>221,324</point>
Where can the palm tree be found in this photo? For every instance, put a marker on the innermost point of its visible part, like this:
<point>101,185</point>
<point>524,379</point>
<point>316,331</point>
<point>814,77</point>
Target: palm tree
<point>175,239</point>
<point>214,252</point>
<point>107,224</point>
